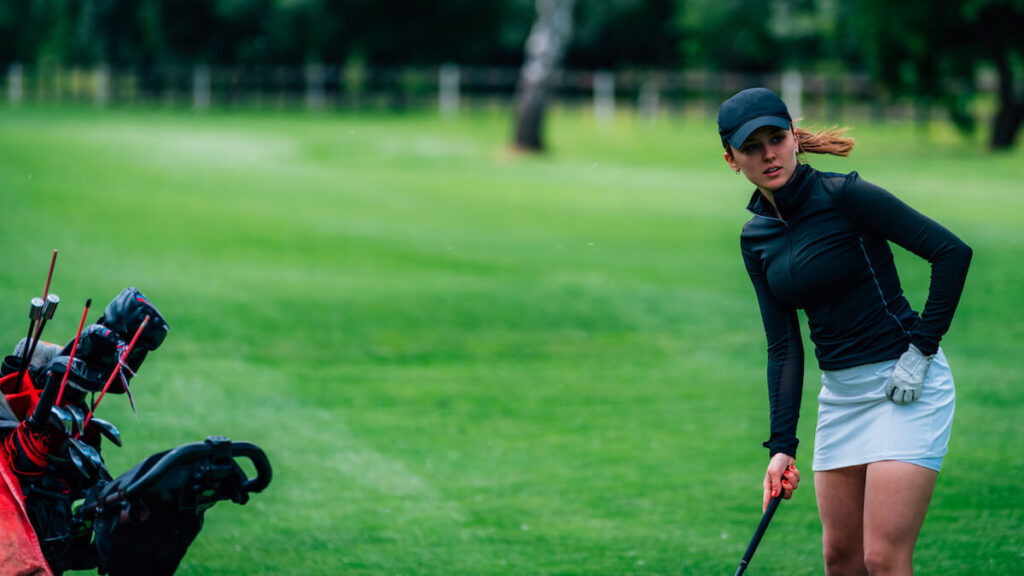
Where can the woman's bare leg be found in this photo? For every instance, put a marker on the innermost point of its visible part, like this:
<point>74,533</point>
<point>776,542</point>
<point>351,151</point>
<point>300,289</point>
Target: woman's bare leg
<point>897,495</point>
<point>841,507</point>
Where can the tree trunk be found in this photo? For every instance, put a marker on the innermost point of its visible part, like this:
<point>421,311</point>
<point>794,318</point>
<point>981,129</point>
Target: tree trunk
<point>1010,116</point>
<point>1006,125</point>
<point>544,51</point>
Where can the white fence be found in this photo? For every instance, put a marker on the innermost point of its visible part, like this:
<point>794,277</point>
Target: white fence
<point>448,88</point>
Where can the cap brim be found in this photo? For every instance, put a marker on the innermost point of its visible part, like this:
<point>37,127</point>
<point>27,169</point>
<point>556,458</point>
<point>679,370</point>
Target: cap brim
<point>740,135</point>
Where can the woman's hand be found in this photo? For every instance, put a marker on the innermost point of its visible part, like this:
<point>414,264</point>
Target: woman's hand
<point>781,475</point>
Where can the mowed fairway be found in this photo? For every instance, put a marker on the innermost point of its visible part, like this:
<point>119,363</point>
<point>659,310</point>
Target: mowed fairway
<point>461,361</point>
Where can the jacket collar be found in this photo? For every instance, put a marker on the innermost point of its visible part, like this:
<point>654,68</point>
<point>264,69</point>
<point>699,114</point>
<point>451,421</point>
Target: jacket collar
<point>788,198</point>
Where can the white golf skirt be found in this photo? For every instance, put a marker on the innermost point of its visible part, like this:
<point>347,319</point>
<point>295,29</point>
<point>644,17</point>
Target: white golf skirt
<point>857,424</point>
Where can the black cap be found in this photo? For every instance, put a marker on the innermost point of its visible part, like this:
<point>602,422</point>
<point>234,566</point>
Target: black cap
<point>749,110</point>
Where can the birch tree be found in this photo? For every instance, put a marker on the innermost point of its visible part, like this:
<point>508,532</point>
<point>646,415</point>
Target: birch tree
<point>544,51</point>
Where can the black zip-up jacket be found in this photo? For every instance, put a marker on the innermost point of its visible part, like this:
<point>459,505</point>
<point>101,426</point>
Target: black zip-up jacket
<point>829,255</point>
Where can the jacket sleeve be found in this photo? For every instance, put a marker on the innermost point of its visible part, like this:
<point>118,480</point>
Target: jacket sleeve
<point>882,215</point>
<point>785,360</point>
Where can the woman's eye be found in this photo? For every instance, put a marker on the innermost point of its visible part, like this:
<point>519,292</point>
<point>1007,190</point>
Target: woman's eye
<point>748,148</point>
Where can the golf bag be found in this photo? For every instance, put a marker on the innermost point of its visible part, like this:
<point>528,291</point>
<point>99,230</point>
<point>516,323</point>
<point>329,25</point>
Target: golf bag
<point>62,497</point>
<point>145,520</point>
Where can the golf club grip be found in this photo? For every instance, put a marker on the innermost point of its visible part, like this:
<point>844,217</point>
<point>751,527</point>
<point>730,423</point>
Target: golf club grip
<point>773,505</point>
<point>41,415</point>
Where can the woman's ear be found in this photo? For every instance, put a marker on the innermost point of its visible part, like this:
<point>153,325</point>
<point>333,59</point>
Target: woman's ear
<point>731,161</point>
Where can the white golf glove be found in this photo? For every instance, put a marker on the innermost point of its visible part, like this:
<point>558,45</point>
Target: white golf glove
<point>907,379</point>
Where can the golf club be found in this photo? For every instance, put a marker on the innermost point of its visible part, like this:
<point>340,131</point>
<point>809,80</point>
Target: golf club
<point>89,452</point>
<point>773,505</point>
<point>78,458</point>
<point>52,300</point>
<point>117,370</point>
<point>35,312</point>
<point>74,347</point>
<point>108,430</point>
<point>67,421</point>
<point>49,276</point>
<point>78,416</point>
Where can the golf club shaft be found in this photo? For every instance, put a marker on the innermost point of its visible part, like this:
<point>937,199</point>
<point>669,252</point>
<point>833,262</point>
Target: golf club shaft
<point>52,300</point>
<point>74,347</point>
<point>773,505</point>
<point>49,276</point>
<point>116,370</point>
<point>35,312</point>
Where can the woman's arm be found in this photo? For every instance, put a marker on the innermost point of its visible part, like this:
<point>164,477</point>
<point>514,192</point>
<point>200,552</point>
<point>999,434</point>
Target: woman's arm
<point>882,215</point>
<point>785,361</point>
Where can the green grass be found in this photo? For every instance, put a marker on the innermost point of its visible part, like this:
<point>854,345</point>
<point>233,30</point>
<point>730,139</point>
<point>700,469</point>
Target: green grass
<point>462,361</point>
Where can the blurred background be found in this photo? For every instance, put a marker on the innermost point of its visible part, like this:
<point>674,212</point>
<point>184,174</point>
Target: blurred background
<point>955,60</point>
<point>469,270</point>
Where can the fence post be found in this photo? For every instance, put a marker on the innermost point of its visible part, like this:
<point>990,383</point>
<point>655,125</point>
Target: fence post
<point>15,88</point>
<point>448,89</point>
<point>648,99</point>
<point>316,78</point>
<point>201,87</point>
<point>792,92</point>
<point>604,96</point>
<point>354,80</point>
<point>101,79</point>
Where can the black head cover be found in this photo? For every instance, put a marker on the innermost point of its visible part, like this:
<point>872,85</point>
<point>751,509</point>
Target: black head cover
<point>96,356</point>
<point>125,313</point>
<point>82,377</point>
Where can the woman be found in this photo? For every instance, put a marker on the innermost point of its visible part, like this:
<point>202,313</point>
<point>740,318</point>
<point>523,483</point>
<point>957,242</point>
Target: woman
<point>820,242</point>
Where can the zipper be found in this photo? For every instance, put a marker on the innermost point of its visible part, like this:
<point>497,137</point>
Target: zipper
<point>789,243</point>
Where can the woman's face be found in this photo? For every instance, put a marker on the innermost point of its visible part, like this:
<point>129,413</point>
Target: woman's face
<point>767,157</point>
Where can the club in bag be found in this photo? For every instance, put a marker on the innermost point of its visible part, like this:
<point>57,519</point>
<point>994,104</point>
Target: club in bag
<point>49,275</point>
<point>52,300</point>
<point>108,430</point>
<point>773,505</point>
<point>35,312</point>
<point>74,348</point>
<point>116,371</point>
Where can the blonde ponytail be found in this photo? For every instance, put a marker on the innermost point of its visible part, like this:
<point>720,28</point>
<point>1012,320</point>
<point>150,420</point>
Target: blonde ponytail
<point>830,141</point>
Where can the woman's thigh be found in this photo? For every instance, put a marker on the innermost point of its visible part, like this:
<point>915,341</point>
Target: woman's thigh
<point>897,498</point>
<point>840,494</point>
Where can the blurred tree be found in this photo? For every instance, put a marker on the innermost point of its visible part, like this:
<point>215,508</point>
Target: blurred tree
<point>620,33</point>
<point>18,31</point>
<point>215,32</point>
<point>932,51</point>
<point>545,48</point>
<point>398,32</point>
<point>728,35</point>
<point>755,36</point>
<point>1000,31</point>
<point>910,52</point>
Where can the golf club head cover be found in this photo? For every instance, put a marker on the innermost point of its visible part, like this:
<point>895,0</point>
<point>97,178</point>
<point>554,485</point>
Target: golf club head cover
<point>82,378</point>
<point>125,313</point>
<point>97,347</point>
<point>43,353</point>
<point>96,357</point>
